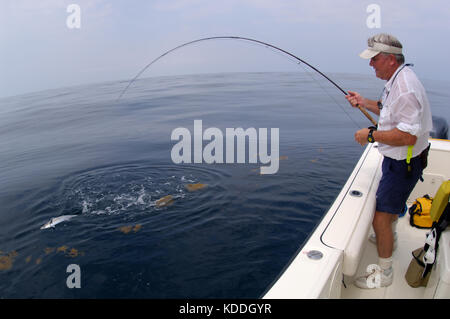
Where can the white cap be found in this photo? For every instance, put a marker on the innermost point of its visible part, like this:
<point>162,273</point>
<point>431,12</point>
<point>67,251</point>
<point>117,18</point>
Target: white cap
<point>370,52</point>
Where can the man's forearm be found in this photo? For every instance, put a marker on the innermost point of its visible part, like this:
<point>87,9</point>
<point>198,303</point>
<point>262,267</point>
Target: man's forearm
<point>394,137</point>
<point>372,106</point>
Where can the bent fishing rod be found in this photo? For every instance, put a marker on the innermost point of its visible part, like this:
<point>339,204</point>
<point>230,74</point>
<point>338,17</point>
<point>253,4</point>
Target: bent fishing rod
<point>253,41</point>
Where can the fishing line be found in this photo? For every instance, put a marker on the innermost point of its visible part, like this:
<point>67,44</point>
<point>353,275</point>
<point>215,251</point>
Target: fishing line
<point>331,97</point>
<point>267,45</point>
<point>288,57</point>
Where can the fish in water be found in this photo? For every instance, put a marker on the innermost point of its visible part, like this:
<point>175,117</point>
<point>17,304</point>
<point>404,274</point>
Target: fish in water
<point>56,220</point>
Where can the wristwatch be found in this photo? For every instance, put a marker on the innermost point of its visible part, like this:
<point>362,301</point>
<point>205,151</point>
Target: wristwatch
<point>380,105</point>
<point>370,136</point>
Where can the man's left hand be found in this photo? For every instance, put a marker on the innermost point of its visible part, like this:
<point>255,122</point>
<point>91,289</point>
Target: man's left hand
<point>361,136</point>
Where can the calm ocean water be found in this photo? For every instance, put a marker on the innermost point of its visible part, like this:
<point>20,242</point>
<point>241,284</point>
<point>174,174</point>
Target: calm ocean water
<point>78,151</point>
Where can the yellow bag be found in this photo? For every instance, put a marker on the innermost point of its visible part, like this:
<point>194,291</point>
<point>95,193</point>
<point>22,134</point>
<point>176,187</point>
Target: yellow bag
<point>420,212</point>
<point>441,200</point>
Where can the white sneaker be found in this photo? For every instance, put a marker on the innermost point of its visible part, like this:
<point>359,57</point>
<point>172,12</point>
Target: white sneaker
<point>375,278</point>
<point>373,239</point>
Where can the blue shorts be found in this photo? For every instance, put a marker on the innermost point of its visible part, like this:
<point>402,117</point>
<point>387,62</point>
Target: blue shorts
<point>395,184</point>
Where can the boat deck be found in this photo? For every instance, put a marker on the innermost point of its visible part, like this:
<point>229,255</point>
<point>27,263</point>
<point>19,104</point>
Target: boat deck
<point>409,239</point>
<point>341,239</point>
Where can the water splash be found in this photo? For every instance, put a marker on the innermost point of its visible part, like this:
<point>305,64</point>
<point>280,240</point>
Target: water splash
<point>132,188</point>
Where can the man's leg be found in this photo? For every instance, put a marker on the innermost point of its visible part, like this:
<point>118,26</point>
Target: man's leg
<point>382,225</point>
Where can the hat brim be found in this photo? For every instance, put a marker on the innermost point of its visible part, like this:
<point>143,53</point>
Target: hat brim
<point>368,54</point>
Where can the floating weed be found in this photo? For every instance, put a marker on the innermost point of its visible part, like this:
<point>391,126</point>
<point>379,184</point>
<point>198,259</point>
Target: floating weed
<point>125,229</point>
<point>130,228</point>
<point>137,228</point>
<point>62,249</point>
<point>7,261</point>
<point>164,201</point>
<point>195,187</point>
<point>49,250</point>
<point>73,253</point>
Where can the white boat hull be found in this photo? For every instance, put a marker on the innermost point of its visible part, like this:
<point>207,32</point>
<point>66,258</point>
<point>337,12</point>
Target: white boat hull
<point>341,240</point>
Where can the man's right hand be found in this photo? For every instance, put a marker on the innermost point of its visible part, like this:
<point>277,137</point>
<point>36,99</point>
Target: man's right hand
<point>355,99</point>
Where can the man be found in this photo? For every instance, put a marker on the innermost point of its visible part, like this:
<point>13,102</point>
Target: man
<point>403,128</point>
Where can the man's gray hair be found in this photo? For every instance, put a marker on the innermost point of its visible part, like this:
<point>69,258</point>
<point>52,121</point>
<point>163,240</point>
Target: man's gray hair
<point>388,40</point>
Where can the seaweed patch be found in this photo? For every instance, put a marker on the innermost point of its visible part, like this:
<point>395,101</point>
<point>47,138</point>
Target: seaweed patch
<point>195,187</point>
<point>164,201</point>
<point>7,261</point>
<point>130,228</point>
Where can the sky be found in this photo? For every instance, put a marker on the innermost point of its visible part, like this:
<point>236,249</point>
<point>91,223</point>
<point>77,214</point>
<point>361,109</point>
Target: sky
<point>42,46</point>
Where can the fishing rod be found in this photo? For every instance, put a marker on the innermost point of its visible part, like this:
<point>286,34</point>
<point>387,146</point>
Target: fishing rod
<point>254,41</point>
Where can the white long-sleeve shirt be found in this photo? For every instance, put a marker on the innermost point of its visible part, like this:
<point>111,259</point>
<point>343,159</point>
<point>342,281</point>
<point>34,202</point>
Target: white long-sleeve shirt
<point>405,107</point>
